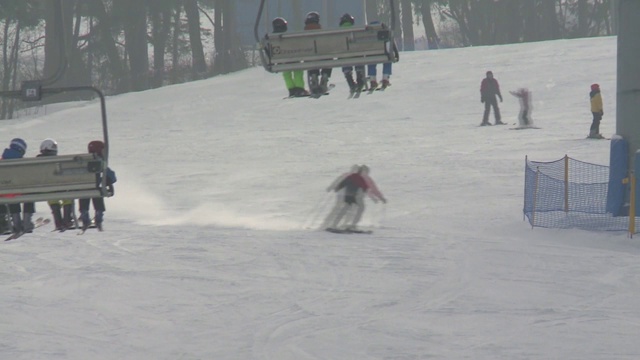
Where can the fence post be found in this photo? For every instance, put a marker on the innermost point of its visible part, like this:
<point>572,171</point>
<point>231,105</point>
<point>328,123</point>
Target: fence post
<point>566,183</point>
<point>632,204</point>
<point>535,197</point>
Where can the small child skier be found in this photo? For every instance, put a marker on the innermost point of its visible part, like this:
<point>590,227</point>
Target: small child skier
<point>597,110</point>
<point>97,147</point>
<point>524,117</point>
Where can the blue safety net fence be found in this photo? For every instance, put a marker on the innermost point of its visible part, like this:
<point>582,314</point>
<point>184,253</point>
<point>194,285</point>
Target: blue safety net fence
<point>569,193</point>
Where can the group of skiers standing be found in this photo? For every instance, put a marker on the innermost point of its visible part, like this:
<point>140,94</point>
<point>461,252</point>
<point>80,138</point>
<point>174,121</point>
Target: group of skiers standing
<point>490,93</point>
<point>318,79</point>
<point>62,210</point>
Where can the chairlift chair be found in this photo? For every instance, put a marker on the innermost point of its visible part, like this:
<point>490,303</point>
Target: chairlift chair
<point>47,178</point>
<point>326,48</point>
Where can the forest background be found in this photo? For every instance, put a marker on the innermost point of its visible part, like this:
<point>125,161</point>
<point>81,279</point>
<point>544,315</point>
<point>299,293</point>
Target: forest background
<point>120,46</point>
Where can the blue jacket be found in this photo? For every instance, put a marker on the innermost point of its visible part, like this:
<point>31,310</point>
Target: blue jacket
<point>10,153</point>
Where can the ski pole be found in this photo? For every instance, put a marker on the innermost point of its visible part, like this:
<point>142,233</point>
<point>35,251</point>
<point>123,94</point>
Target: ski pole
<point>312,215</point>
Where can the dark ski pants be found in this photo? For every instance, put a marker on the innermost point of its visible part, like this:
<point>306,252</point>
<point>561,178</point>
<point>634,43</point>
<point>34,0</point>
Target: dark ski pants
<point>524,117</point>
<point>488,103</point>
<point>98,206</point>
<point>15,208</point>
<point>360,76</point>
<point>595,124</point>
<point>315,84</point>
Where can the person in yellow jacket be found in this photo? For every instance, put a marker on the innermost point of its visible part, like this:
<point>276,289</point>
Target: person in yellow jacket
<point>597,111</point>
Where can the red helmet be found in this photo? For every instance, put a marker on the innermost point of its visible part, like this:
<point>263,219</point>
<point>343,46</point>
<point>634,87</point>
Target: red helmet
<point>595,87</point>
<point>96,147</point>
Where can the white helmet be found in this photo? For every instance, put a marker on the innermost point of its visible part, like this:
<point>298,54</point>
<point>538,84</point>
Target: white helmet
<point>49,147</point>
<point>364,169</point>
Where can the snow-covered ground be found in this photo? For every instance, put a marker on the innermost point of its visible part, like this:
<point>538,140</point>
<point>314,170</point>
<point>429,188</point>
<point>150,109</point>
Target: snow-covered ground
<point>207,251</point>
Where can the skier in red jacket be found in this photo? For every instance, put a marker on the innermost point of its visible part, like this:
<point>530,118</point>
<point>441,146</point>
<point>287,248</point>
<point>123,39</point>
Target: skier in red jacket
<point>355,185</point>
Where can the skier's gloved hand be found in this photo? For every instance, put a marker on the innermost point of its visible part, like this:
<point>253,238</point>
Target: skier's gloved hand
<point>111,190</point>
<point>482,100</point>
<point>384,201</point>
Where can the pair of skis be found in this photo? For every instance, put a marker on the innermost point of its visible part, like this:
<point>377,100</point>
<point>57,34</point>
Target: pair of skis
<point>36,224</point>
<point>312,95</point>
<point>348,231</point>
<point>356,94</point>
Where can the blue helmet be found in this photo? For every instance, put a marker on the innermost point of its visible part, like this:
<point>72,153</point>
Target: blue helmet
<point>18,145</point>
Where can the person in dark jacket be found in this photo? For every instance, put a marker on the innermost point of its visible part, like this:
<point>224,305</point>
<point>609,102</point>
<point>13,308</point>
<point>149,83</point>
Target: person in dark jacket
<point>347,20</point>
<point>16,150</point>
<point>489,89</point>
<point>317,79</point>
<point>97,147</point>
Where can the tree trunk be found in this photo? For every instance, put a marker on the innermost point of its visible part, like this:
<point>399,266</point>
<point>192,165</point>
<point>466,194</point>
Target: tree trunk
<point>429,26</point>
<point>9,65</point>
<point>199,66</point>
<point>161,26</point>
<point>54,56</point>
<point>408,43</point>
<point>223,16</point>
<point>530,22</point>
<point>549,25</point>
<point>135,35</point>
<point>108,45</point>
<point>175,55</point>
<point>583,18</point>
<point>79,76</point>
<point>397,28</point>
<point>613,10</point>
<point>14,68</point>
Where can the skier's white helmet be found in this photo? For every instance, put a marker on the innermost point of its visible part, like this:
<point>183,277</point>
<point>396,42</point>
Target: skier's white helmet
<point>49,147</point>
<point>364,169</point>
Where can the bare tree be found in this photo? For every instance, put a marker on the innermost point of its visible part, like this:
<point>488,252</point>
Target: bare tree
<point>199,66</point>
<point>134,13</point>
<point>427,21</point>
<point>160,14</point>
<point>407,26</point>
